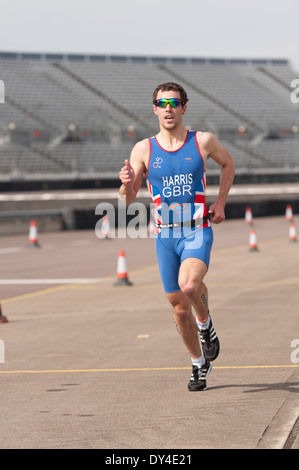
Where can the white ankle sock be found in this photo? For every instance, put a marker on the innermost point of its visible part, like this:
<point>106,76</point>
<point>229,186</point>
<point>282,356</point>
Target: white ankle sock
<point>199,361</point>
<point>201,325</point>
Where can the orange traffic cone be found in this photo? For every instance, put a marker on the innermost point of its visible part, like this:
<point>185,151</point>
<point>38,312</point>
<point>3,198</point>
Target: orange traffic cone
<point>253,241</point>
<point>33,241</point>
<point>292,232</point>
<point>122,272</point>
<point>3,319</point>
<point>248,215</point>
<point>289,212</point>
<point>105,227</point>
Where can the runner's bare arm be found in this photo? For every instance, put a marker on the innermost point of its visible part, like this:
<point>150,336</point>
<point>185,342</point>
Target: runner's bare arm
<point>212,148</point>
<point>132,172</point>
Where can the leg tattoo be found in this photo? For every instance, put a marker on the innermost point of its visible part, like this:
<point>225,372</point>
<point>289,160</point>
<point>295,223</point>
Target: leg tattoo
<point>204,300</point>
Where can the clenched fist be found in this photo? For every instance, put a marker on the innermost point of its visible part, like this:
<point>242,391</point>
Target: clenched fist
<point>127,174</point>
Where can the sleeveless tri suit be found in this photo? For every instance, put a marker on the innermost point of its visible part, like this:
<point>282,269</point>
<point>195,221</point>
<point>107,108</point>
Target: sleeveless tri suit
<point>176,181</point>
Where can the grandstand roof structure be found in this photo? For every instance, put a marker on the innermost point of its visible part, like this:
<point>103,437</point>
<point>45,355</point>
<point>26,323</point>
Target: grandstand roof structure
<point>78,116</point>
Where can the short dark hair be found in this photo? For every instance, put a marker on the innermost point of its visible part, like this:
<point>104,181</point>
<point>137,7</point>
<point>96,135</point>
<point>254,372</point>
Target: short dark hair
<point>171,86</point>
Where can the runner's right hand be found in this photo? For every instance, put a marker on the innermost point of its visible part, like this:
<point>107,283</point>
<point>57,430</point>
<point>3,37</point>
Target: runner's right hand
<point>127,174</point>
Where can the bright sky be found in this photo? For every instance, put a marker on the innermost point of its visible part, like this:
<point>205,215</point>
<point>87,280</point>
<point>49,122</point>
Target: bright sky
<point>197,28</point>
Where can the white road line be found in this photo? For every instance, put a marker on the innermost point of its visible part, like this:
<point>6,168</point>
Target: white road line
<point>47,246</point>
<point>13,249</point>
<point>6,282</point>
<point>19,249</point>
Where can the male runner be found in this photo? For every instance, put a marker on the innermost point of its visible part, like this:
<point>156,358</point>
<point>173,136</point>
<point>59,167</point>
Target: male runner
<point>173,163</point>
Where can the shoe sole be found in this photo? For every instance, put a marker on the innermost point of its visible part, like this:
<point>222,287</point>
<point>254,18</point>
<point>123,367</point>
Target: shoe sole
<point>201,389</point>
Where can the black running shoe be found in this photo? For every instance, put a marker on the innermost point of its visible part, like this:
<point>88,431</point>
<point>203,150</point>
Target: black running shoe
<point>210,343</point>
<point>198,381</point>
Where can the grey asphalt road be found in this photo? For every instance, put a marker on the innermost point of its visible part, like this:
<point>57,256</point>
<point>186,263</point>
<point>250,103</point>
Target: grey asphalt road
<point>88,365</point>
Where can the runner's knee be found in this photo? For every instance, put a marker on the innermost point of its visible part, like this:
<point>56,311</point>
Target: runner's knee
<point>189,285</point>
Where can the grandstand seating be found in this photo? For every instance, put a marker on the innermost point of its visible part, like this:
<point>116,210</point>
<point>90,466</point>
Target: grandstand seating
<point>79,115</point>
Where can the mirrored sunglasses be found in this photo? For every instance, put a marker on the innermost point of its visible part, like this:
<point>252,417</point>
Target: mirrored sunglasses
<point>163,102</point>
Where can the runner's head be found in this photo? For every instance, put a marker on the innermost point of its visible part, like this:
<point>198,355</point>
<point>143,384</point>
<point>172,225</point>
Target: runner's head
<point>171,86</point>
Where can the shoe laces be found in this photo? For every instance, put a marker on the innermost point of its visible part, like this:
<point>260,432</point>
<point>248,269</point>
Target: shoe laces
<point>205,334</point>
<point>199,373</point>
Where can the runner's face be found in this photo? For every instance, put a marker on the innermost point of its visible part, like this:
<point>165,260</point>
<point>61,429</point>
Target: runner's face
<point>169,117</point>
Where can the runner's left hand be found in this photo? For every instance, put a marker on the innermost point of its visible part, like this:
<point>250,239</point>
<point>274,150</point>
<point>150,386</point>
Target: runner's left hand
<point>217,214</point>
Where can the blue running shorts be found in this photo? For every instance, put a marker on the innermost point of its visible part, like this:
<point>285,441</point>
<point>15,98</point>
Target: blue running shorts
<point>175,245</point>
